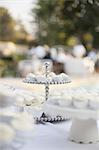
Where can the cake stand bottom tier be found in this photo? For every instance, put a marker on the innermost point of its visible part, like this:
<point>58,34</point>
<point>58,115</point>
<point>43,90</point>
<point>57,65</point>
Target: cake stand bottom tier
<point>84,131</point>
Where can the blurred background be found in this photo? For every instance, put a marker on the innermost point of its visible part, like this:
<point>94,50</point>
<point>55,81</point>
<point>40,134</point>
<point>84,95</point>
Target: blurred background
<point>65,32</point>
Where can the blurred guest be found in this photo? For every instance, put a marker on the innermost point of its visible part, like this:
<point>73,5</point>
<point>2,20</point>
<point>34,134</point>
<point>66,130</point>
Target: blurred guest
<point>38,51</point>
<point>47,52</point>
<point>79,50</point>
<point>58,67</point>
<point>97,66</point>
<point>61,57</point>
<point>93,55</point>
<point>53,52</point>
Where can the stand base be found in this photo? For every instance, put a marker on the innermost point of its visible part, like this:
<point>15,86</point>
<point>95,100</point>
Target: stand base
<point>84,131</point>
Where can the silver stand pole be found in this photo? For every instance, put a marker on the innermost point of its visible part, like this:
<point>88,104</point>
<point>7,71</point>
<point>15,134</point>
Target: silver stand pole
<point>46,85</point>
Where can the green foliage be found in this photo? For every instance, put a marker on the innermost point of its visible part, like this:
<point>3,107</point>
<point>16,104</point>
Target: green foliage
<point>18,57</point>
<point>6,25</point>
<point>82,17</point>
<point>8,68</point>
<point>59,19</point>
<point>47,16</point>
<point>11,30</point>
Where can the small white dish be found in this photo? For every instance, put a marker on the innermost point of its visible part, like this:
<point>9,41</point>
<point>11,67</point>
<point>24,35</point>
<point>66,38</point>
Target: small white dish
<point>6,99</point>
<point>28,101</point>
<point>80,104</point>
<point>65,102</point>
<point>94,103</point>
<point>54,100</point>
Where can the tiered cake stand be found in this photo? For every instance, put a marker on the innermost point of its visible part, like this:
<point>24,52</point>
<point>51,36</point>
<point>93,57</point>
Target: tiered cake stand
<point>46,81</point>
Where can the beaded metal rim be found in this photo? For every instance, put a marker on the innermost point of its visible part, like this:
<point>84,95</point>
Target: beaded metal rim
<point>52,83</point>
<point>47,118</point>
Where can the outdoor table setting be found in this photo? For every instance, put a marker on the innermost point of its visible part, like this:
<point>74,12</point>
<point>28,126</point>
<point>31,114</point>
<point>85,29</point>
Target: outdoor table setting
<point>57,119</point>
<point>49,75</point>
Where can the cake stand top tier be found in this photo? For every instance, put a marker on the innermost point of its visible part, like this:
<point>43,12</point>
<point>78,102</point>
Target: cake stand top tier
<point>51,78</point>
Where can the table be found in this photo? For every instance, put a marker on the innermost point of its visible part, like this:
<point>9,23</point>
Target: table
<point>55,138</point>
<point>48,138</point>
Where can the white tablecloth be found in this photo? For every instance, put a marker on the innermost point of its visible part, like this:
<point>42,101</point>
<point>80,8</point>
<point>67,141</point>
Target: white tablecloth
<point>55,138</point>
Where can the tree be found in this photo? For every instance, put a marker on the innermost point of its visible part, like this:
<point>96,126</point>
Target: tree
<point>81,17</point>
<point>12,30</point>
<point>57,20</point>
<point>7,25</point>
<point>21,35</point>
<point>47,17</point>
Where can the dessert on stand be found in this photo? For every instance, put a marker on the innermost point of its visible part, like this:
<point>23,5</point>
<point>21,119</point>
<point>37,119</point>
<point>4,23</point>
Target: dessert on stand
<point>82,106</point>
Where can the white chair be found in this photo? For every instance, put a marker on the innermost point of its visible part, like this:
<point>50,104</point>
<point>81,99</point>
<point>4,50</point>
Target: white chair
<point>78,67</point>
<point>27,66</point>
